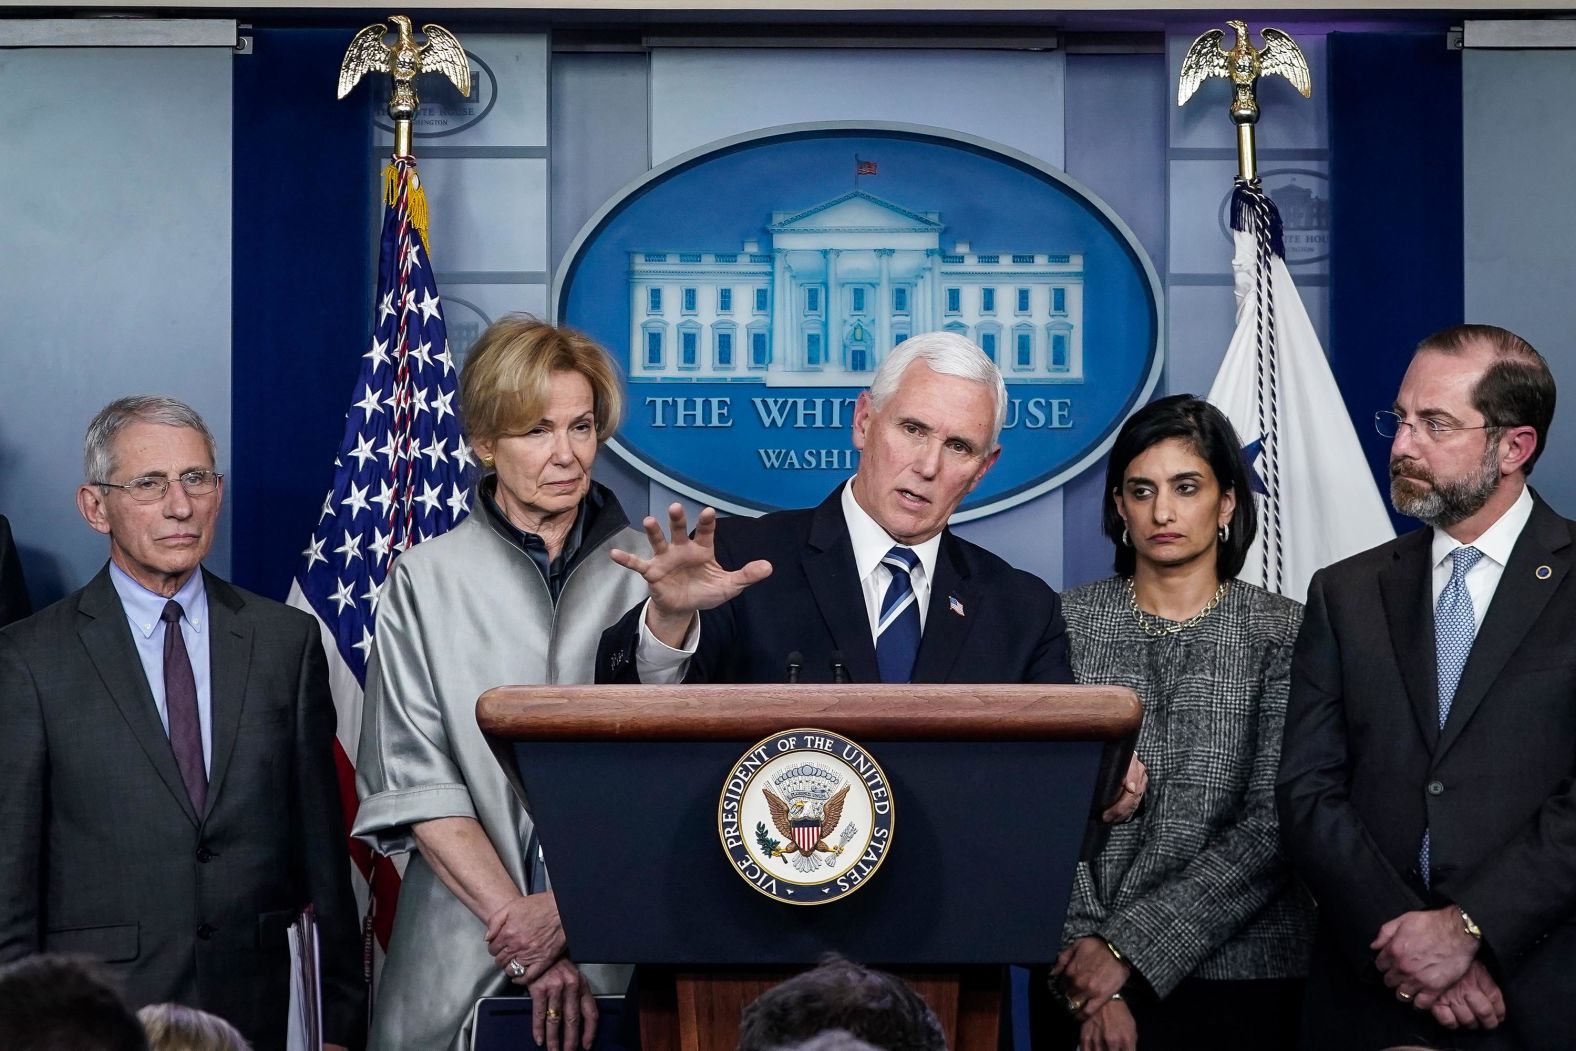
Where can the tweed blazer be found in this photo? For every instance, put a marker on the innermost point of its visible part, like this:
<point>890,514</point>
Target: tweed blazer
<point>1196,884</point>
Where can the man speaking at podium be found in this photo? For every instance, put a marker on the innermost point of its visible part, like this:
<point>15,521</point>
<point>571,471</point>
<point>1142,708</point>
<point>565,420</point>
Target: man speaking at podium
<point>870,586</point>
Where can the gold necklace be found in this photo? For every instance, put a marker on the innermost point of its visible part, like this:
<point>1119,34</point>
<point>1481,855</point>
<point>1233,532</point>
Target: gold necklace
<point>1170,629</point>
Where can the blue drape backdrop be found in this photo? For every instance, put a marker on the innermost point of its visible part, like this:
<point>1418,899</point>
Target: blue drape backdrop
<point>306,185</point>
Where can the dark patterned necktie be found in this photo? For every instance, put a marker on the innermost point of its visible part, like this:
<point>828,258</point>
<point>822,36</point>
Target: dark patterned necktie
<point>897,632</point>
<point>180,702</point>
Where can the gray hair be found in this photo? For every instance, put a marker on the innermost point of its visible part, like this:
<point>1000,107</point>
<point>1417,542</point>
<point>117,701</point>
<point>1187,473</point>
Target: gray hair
<point>175,1027</point>
<point>949,354</point>
<point>98,458</point>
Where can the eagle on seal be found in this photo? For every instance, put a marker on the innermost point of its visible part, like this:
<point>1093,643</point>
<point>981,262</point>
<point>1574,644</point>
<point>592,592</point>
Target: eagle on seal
<point>805,823</point>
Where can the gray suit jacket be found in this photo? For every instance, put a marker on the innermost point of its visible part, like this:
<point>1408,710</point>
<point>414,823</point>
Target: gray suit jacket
<point>104,854</point>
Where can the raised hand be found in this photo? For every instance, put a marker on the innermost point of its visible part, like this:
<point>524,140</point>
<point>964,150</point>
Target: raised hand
<point>682,573</point>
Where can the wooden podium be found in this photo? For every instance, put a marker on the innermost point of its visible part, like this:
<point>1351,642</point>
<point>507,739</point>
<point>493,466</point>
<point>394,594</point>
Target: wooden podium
<point>995,789</point>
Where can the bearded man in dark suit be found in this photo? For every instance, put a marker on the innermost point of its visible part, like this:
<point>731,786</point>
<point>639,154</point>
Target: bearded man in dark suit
<point>168,799</point>
<point>871,585</point>
<point>1426,783</point>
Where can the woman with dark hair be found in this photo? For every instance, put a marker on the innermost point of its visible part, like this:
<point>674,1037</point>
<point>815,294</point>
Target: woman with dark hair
<point>1185,929</point>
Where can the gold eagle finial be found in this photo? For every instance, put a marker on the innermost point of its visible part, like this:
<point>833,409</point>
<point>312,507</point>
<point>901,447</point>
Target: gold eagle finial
<point>1243,65</point>
<point>404,60</point>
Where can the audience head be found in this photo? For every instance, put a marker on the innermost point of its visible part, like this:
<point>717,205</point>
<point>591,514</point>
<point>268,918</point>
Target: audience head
<point>870,1006</point>
<point>927,431</point>
<point>151,487</point>
<point>176,1027</point>
<point>1179,489</point>
<point>64,1003</point>
<point>831,1040</point>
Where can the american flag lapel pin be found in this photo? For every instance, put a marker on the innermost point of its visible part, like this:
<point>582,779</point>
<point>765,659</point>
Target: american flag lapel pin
<point>955,604</point>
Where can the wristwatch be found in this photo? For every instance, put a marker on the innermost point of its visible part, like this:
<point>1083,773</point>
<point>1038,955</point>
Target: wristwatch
<point>1472,929</point>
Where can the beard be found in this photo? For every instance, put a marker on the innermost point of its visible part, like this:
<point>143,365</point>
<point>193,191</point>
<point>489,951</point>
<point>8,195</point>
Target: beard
<point>1443,503</point>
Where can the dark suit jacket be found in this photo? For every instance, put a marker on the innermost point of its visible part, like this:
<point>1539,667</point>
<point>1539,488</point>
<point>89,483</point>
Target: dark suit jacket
<point>1009,630</point>
<point>1365,768</point>
<point>13,591</point>
<point>103,853</point>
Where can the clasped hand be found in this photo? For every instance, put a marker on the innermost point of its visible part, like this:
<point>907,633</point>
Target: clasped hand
<point>683,574</point>
<point>527,929</point>
<point>1429,960</point>
<point>1134,784</point>
<point>1089,973</point>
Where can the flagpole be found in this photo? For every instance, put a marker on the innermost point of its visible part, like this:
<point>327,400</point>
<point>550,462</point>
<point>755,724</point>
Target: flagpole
<point>1253,212</point>
<point>407,391</point>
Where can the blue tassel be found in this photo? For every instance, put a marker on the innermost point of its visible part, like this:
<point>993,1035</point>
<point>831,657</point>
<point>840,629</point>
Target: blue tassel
<point>1243,205</point>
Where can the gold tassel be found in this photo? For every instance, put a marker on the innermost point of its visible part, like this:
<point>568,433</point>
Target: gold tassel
<point>418,209</point>
<point>416,199</point>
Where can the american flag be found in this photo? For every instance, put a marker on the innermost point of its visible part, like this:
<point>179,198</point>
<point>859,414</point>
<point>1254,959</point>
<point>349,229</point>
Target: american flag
<point>864,167</point>
<point>401,477</point>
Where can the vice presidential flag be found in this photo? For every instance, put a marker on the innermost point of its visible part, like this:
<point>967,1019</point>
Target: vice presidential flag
<point>401,477</point>
<point>1318,500</point>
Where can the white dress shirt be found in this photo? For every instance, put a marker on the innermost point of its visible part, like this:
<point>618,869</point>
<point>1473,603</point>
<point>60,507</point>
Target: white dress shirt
<point>1495,543</point>
<point>658,663</point>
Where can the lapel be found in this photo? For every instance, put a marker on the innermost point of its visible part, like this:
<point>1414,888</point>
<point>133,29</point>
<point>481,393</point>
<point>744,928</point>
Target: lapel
<point>229,661</point>
<point>1518,602</point>
<point>834,581</point>
<point>105,635</point>
<point>1404,589</point>
<point>945,630</point>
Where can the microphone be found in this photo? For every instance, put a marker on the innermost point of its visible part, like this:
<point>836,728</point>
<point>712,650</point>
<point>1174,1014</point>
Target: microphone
<point>795,666</point>
<point>839,669</point>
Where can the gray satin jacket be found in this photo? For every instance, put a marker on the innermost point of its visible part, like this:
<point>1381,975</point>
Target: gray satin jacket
<point>460,614</point>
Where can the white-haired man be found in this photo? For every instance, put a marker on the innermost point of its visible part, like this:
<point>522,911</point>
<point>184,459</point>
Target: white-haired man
<point>871,585</point>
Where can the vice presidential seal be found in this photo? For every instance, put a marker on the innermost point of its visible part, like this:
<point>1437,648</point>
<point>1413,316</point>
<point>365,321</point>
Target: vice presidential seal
<point>806,816</point>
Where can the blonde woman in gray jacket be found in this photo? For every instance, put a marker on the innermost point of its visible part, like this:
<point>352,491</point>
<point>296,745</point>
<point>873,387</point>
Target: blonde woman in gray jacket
<point>518,593</point>
<point>1185,931</point>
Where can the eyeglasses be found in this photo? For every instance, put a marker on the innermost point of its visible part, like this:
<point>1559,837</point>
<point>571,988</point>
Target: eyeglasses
<point>151,487</point>
<point>1388,423</point>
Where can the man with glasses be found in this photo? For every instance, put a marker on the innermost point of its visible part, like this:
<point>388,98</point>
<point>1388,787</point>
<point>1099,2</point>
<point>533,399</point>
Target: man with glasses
<point>870,586</point>
<point>168,796</point>
<point>1426,782</point>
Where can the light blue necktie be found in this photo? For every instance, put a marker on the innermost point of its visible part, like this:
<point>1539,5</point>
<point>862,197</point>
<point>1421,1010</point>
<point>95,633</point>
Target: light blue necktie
<point>1455,626</point>
<point>897,632</point>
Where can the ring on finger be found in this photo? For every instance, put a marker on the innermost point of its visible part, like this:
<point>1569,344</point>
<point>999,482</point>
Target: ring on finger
<point>553,1014</point>
<point>1403,996</point>
<point>515,968</point>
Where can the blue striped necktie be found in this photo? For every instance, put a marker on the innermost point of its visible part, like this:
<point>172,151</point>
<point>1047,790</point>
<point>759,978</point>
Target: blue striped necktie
<point>1455,627</point>
<point>897,632</point>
